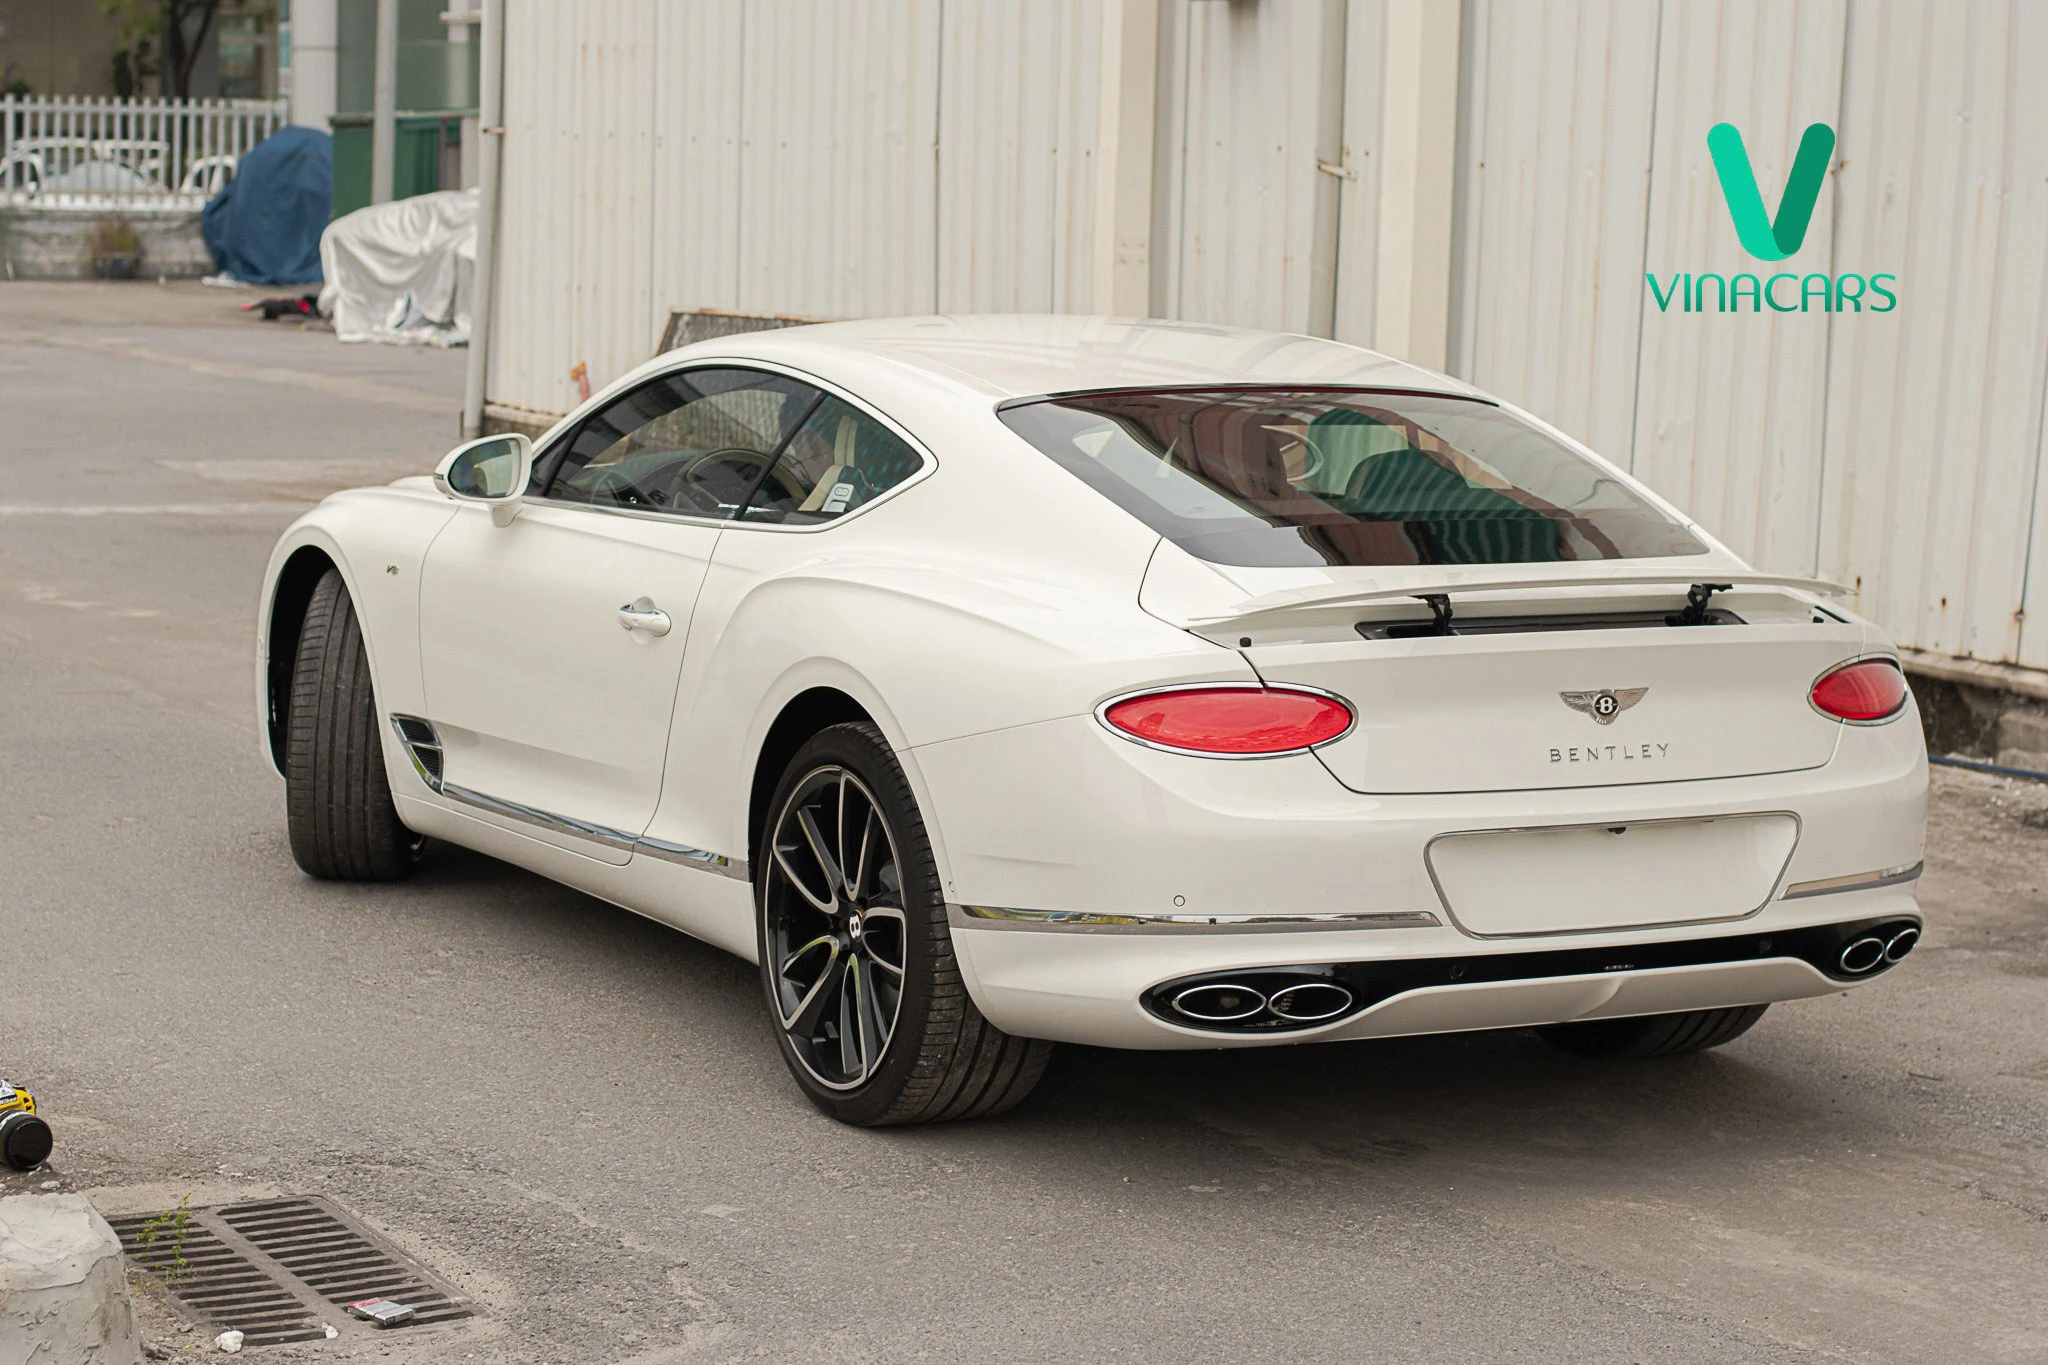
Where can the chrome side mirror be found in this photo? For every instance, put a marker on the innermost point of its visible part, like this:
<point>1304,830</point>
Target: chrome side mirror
<point>492,470</point>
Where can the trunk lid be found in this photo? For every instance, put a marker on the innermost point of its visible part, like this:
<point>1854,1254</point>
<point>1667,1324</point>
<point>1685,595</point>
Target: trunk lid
<point>1572,707</point>
<point>1565,675</point>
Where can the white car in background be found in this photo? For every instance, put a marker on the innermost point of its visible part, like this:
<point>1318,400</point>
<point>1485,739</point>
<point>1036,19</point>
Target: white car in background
<point>997,681</point>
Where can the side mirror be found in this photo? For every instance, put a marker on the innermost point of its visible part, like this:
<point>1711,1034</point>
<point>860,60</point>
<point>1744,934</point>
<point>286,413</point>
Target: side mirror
<point>492,470</point>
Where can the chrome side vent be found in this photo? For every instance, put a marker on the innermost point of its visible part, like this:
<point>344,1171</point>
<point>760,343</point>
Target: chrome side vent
<point>423,745</point>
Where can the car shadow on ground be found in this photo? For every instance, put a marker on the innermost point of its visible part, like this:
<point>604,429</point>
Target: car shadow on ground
<point>1494,1099</point>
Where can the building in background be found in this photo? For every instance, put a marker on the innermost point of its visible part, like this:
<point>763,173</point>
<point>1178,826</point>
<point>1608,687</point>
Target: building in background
<point>1481,186</point>
<point>331,82</point>
<point>80,47</point>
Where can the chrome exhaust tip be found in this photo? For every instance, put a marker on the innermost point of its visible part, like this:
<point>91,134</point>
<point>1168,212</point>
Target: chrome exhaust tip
<point>1863,955</point>
<point>1901,943</point>
<point>1311,1002</point>
<point>1219,1002</point>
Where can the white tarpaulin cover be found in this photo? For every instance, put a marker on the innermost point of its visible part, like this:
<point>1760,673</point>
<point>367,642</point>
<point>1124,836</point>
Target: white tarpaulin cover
<point>400,272</point>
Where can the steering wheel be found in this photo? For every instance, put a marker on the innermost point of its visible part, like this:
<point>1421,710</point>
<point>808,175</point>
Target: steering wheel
<point>693,485</point>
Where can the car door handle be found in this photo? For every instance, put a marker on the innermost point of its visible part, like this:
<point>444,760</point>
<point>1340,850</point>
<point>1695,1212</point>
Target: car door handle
<point>644,615</point>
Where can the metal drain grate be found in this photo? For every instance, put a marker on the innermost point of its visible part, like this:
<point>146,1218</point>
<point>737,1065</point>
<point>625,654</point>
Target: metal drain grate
<point>217,1282</point>
<point>340,1261</point>
<point>281,1270</point>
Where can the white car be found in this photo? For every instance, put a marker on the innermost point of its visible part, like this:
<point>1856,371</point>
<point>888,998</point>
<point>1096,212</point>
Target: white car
<point>998,681</point>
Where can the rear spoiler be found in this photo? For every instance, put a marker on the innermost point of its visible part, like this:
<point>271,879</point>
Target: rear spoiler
<point>1295,598</point>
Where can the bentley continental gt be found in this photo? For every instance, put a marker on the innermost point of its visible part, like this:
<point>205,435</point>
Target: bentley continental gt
<point>993,682</point>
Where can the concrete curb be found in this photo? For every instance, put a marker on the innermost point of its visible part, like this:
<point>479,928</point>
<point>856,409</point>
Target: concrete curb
<point>63,1289</point>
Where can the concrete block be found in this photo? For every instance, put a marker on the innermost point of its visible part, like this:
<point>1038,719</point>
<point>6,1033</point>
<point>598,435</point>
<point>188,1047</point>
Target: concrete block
<point>63,1289</point>
<point>2024,727</point>
<point>56,244</point>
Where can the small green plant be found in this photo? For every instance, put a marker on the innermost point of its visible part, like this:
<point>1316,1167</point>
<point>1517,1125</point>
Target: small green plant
<point>114,235</point>
<point>170,1228</point>
<point>116,251</point>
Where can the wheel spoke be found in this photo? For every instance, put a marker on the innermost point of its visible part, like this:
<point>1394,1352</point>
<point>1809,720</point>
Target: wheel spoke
<point>823,993</point>
<point>850,1061</point>
<point>821,941</point>
<point>894,916</point>
<point>839,840</point>
<point>816,839</point>
<point>860,868</point>
<point>874,1034</point>
<point>826,906</point>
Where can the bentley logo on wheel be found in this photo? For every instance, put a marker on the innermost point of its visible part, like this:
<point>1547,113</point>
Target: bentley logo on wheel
<point>1604,705</point>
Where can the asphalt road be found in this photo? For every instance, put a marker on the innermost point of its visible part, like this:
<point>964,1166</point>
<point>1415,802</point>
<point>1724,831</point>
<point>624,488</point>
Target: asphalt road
<point>580,1117</point>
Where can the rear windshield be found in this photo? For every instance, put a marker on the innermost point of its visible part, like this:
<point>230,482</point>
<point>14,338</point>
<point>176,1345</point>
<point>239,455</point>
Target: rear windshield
<point>1312,477</point>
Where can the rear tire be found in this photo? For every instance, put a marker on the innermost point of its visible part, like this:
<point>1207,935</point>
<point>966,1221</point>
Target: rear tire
<point>1654,1035</point>
<point>863,989</point>
<point>337,797</point>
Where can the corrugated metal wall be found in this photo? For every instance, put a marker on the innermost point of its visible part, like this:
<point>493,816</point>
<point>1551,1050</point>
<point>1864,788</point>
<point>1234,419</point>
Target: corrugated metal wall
<point>1250,222</point>
<point>1901,452</point>
<point>1934,482</point>
<point>870,157</point>
<point>577,222</point>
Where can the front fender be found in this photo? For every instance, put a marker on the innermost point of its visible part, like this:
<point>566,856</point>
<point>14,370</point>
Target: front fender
<point>378,539</point>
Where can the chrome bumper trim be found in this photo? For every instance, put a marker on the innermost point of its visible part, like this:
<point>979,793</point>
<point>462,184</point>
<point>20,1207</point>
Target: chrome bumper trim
<point>1855,881</point>
<point>1082,921</point>
<point>680,854</point>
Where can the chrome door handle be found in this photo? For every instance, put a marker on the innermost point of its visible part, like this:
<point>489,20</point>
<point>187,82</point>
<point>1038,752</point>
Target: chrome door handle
<point>644,615</point>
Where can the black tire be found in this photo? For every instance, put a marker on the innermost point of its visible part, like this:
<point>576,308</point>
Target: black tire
<point>337,797</point>
<point>1654,1035</point>
<point>938,1059</point>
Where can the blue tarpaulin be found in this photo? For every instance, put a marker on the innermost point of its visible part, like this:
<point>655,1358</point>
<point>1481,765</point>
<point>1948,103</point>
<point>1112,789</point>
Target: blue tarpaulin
<point>264,226</point>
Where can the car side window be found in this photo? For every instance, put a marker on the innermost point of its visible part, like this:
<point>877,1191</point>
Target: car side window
<point>839,460</point>
<point>691,443</point>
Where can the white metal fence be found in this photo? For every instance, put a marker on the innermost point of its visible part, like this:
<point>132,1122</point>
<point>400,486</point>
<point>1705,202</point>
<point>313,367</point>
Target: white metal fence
<point>95,154</point>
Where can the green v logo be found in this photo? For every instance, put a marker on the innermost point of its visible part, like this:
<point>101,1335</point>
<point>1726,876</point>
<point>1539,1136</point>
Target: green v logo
<point>1762,238</point>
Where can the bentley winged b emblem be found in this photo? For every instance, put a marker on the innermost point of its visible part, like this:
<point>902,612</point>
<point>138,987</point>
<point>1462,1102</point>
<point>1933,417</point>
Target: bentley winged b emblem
<point>1603,706</point>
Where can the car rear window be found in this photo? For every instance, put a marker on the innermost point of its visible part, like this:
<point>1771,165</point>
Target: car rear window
<point>1343,477</point>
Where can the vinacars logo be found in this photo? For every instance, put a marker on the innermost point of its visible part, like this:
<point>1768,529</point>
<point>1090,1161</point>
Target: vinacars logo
<point>1770,239</point>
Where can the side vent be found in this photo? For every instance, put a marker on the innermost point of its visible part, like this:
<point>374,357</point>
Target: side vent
<point>423,744</point>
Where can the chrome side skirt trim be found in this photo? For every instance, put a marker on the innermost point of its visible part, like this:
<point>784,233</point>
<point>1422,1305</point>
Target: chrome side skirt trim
<point>1081,921</point>
<point>1855,881</point>
<point>542,819</point>
<point>423,746</point>
<point>683,854</point>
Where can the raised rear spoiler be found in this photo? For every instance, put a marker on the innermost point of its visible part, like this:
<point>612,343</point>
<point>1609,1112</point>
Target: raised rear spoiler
<point>1698,586</point>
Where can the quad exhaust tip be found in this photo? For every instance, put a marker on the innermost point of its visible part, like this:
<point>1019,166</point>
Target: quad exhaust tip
<point>1311,1002</point>
<point>1220,1002</point>
<point>1285,1001</point>
<point>1872,950</point>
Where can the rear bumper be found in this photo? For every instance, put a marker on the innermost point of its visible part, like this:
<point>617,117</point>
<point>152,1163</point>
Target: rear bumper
<point>1064,817</point>
<point>1105,989</point>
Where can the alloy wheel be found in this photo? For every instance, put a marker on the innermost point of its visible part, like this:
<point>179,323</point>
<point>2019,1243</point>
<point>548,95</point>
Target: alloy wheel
<point>836,934</point>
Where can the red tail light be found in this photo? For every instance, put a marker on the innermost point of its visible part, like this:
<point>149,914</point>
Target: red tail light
<point>1864,692</point>
<point>1233,722</point>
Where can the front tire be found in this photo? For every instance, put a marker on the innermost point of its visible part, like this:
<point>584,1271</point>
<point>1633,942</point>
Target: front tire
<point>857,961</point>
<point>1654,1035</point>
<point>337,797</point>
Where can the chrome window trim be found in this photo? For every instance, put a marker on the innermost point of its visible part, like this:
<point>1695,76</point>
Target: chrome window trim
<point>680,854</point>
<point>1255,685</point>
<point>1429,866</point>
<point>1856,881</point>
<point>1086,922</point>
<point>929,462</point>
